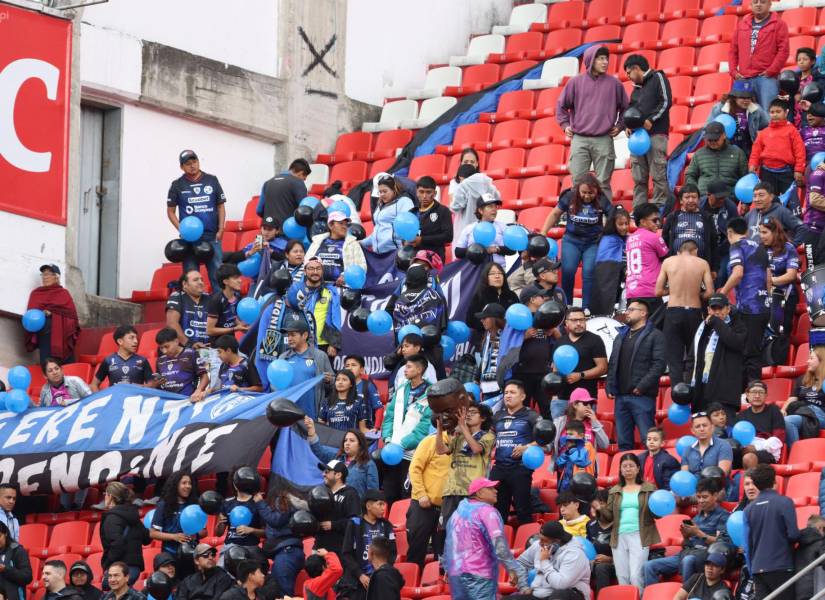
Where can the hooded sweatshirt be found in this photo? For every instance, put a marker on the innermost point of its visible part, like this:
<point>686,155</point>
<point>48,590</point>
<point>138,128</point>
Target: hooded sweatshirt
<point>385,584</point>
<point>123,535</point>
<point>88,591</point>
<point>777,146</point>
<point>591,105</point>
<point>567,568</point>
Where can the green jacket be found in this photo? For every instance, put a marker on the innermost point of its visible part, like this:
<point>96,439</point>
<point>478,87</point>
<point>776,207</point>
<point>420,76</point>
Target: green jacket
<point>415,425</point>
<point>728,164</point>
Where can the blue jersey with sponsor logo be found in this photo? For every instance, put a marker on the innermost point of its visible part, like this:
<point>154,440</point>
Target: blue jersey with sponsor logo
<point>192,315</point>
<point>585,224</point>
<point>135,369</point>
<point>304,368</point>
<point>331,254</point>
<point>511,431</point>
<point>781,262</point>
<point>243,375</point>
<point>198,198</point>
<point>181,373</point>
<point>342,415</point>
<point>752,290</point>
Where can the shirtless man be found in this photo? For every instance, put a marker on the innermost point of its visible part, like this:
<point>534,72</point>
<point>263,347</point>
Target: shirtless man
<point>687,280</point>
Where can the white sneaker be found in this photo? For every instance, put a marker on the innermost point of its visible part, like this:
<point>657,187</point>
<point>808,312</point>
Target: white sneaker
<point>99,506</point>
<point>154,500</point>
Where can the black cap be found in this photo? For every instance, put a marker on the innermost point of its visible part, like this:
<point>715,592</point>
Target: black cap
<point>187,155</point>
<point>714,130</point>
<point>757,383</point>
<point>374,496</point>
<point>555,530</point>
<point>271,222</point>
<point>163,558</point>
<point>531,291</point>
<point>543,265</point>
<point>294,322</point>
<point>494,310</point>
<point>719,188</point>
<point>53,268</point>
<point>817,109</point>
<point>719,300</point>
<point>336,466</point>
<point>487,198</point>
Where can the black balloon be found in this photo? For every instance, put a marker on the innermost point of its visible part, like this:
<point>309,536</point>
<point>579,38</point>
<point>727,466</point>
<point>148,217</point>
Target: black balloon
<point>544,432</point>
<point>583,486</point>
<point>681,393</point>
<point>476,253</point>
<point>376,455</point>
<point>358,319</point>
<point>538,246</point>
<point>633,118</point>
<point>211,502</point>
<point>321,503</point>
<point>551,384</point>
<point>712,472</point>
<point>734,443</point>
<point>176,250</point>
<point>357,231</point>
<point>185,554</point>
<point>233,557</point>
<point>284,413</point>
<point>812,92</point>
<point>430,335</point>
<point>303,522</point>
<point>722,593</point>
<point>280,280</point>
<point>788,81</point>
<point>256,554</point>
<point>203,251</point>
<point>159,585</point>
<point>350,298</point>
<point>303,216</point>
<point>391,361</point>
<point>549,315</point>
<point>247,480</point>
<point>404,257</point>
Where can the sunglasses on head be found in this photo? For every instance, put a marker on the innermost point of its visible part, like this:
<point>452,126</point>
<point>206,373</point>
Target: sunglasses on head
<point>208,554</point>
<point>701,413</point>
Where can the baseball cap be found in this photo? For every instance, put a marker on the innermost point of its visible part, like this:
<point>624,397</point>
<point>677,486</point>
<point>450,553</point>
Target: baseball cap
<point>271,222</point>
<point>164,558</point>
<point>187,155</point>
<point>717,558</point>
<point>202,549</point>
<point>756,383</point>
<point>714,130</point>
<point>817,109</point>
<point>580,395</point>
<point>493,309</point>
<point>480,483</point>
<point>555,530</point>
<point>742,89</point>
<point>337,216</point>
<point>487,198</point>
<point>531,291</point>
<point>374,496</point>
<point>719,188</point>
<point>336,466</point>
<point>294,323</point>
<point>543,265</point>
<point>718,300</point>
<point>53,268</point>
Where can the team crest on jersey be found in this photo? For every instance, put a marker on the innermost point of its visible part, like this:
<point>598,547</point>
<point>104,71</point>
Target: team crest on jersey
<point>125,369</point>
<point>309,362</point>
<point>207,189</point>
<point>507,423</point>
<point>197,190</point>
<point>434,217</point>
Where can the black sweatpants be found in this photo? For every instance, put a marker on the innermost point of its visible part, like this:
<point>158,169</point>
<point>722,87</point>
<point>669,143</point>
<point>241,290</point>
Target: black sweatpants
<point>779,181</point>
<point>422,526</point>
<point>680,327</point>
<point>770,581</point>
<point>602,575</point>
<point>755,326</point>
<point>514,487</point>
<point>396,485</point>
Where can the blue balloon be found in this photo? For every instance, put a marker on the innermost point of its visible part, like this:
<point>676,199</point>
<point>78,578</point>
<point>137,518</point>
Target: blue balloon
<point>679,414</point>
<point>379,322</point>
<point>683,443</point>
<point>566,359</point>
<point>744,188</point>
<point>240,515</point>
<point>408,329</point>
<point>192,519</point>
<point>639,142</point>
<point>292,230</point>
<point>519,317</point>
<point>191,228</point>
<point>531,575</point>
<point>340,206</point>
<point>248,310</point>
<point>447,347</point>
<point>34,320</point>
<point>473,389</point>
<point>280,374</point>
<point>17,401</point>
<point>3,400</point>
<point>406,226</point>
<point>515,238</point>
<point>147,519</point>
<point>683,483</point>
<point>553,248</point>
<point>391,454</point>
<point>736,528</point>
<point>355,277</point>
<point>459,331</point>
<point>744,432</point>
<point>661,503</point>
<point>533,457</point>
<point>484,233</point>
<point>729,123</point>
<point>310,201</point>
<point>817,159</point>
<point>20,377</point>
<point>589,548</point>
<point>251,265</point>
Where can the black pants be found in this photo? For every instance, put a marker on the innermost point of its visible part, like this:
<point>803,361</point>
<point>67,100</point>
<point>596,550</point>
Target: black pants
<point>422,526</point>
<point>755,332</point>
<point>514,487</point>
<point>680,327</point>
<point>448,506</point>
<point>395,481</point>
<point>779,181</point>
<point>534,391</point>
<point>770,581</point>
<point>601,576</point>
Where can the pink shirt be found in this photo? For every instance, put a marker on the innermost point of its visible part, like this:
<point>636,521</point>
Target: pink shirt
<point>470,534</point>
<point>645,252</point>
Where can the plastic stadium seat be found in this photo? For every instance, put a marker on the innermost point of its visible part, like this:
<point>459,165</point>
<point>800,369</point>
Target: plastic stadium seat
<point>543,189</point>
<point>799,335</point>
<point>708,88</point>
<point>675,61</point>
<point>518,47</point>
<point>602,33</point>
<point>435,82</point>
<point>713,7</point>
<point>803,513</point>
<point>668,527</point>
<point>508,188</point>
<point>380,166</point>
<point>476,78</point>
<point>698,117</point>
<point>147,344</point>
<point>465,136</point>
<point>511,105</point>
<point>619,592</point>
<point>158,288</point>
<point>431,576</point>
<point>621,183</point>
<point>34,537</point>
<point>642,10</point>
<point>797,42</point>
<point>82,370</point>
<point>803,488</point>
<point>68,558</point>
<point>523,533</point>
<point>545,131</point>
<point>678,9</point>
<point>478,50</point>
<point>105,348</point>
<point>556,42</point>
<point>349,173</point>
<point>717,29</point>
<point>778,390</point>
<point>542,160</point>
<point>392,114</point>
<point>799,363</point>
<point>346,146</point>
<point>799,20</point>
<point>820,24</point>
<point>678,117</point>
<point>91,546</point>
<point>521,18</point>
<point>430,110</point>
<point>387,144</point>
<point>514,68</point>
<point>601,12</point>
<point>680,32</point>
<point>229,241</point>
<point>639,35</point>
<point>502,161</point>
<point>251,220</point>
<point>39,594</point>
<point>661,591</point>
<point>411,573</point>
<point>398,513</point>
<point>545,104</point>
<point>553,73</point>
<point>433,165</point>
<point>807,454</point>
<point>505,135</point>
<point>533,219</point>
<point>711,59</point>
<point>681,88</point>
<point>562,15</point>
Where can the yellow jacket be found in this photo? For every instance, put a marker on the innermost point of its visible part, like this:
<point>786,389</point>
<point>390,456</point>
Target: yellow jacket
<point>428,470</point>
<point>576,526</point>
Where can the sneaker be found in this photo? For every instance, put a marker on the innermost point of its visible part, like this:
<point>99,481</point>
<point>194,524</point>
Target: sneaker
<point>153,500</point>
<point>99,506</point>
<point>137,502</point>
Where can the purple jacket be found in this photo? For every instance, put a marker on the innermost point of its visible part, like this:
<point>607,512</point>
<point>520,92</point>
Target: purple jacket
<point>587,102</point>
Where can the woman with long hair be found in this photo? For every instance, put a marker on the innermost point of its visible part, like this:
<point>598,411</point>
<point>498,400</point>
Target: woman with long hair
<point>581,407</point>
<point>807,392</point>
<point>634,529</point>
<point>392,201</point>
<point>586,206</point>
<point>354,451</point>
<point>294,259</point>
<point>740,103</point>
<point>16,571</point>
<point>281,544</point>
<point>180,490</point>
<point>343,409</point>
<point>492,288</point>
<point>492,322</point>
<point>784,262</point>
<point>609,272</point>
<point>121,530</point>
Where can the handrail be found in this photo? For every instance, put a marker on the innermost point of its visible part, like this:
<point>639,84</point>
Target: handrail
<point>796,577</point>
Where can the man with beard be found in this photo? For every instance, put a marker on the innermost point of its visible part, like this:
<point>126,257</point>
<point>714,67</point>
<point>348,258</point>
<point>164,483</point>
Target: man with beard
<point>307,362</point>
<point>689,223</point>
<point>321,303</point>
<point>209,582</point>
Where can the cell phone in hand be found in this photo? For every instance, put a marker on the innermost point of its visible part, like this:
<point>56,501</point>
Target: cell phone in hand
<point>259,240</point>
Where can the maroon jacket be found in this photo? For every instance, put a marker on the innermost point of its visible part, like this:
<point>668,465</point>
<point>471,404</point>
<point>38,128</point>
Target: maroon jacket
<point>770,53</point>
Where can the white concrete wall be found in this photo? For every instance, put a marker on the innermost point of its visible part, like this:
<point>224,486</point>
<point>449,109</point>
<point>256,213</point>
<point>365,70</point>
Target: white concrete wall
<point>110,60</point>
<point>244,34</point>
<point>391,42</point>
<point>151,143</point>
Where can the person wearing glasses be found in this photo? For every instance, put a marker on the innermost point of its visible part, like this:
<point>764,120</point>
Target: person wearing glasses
<point>209,581</point>
<point>766,205</point>
<point>645,252</point>
<point>59,336</point>
<point>766,447</point>
<point>706,451</point>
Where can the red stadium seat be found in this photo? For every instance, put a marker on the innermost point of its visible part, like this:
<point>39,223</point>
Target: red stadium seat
<point>147,344</point>
<point>602,33</point>
<point>678,9</point>
<point>523,533</point>
<point>698,117</point>
<point>82,370</point>
<point>545,131</point>
<point>508,188</point>
<point>600,12</point>
<point>681,87</point>
<point>250,220</point>
<point>518,47</point>
<point>661,591</point>
<point>543,189</point>
<point>34,537</point>
<point>350,173</point>
<point>517,67</point>
<point>474,79</point>
<point>95,564</point>
<point>398,513</point>
<point>778,390</point>
<point>797,42</point>
<point>501,161</point>
<point>562,15</point>
<point>161,279</point>
<point>803,513</point>
<point>709,88</point>
<point>675,61</point>
<point>346,146</point>
<point>668,527</point>
<point>642,10</point>
<point>68,559</point>
<point>639,35</point>
<point>679,32</point>
<point>465,136</point>
<point>558,41</point>
<point>545,104</point>
<point>509,105</point>
<point>229,241</point>
<point>386,144</point>
<point>709,59</point>
<point>803,488</point>
<point>411,573</point>
<point>621,183</point>
<point>506,134</point>
<point>799,20</point>
<point>717,29</point>
<point>106,347</point>
<point>533,218</point>
<point>92,545</point>
<point>619,592</point>
<point>542,160</point>
<point>799,335</point>
<point>806,455</point>
<point>66,536</point>
<point>380,166</point>
<point>434,165</point>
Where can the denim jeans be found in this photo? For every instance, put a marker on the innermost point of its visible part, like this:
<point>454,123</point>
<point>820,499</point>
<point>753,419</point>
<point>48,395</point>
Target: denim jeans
<point>686,566</point>
<point>472,587</point>
<point>633,411</point>
<point>573,252</point>
<point>766,89</point>
<point>190,263</point>
<point>558,408</point>
<point>286,565</point>
<point>793,423</point>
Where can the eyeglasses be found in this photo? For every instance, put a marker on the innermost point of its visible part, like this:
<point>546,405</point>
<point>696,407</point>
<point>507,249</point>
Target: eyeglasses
<point>208,554</point>
<point>757,392</point>
<point>581,320</point>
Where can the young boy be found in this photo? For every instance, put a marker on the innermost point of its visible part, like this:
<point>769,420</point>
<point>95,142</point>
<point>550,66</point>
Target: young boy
<point>602,571</point>
<point>578,457</point>
<point>572,520</point>
<point>180,370</point>
<point>658,466</point>
<point>235,372</point>
<point>242,535</point>
<point>411,344</point>
<point>778,154</point>
<point>221,310</point>
<point>719,420</point>
<point>386,581</point>
<point>271,239</point>
<point>813,131</point>
<point>365,389</point>
<point>360,533</point>
<point>324,570</point>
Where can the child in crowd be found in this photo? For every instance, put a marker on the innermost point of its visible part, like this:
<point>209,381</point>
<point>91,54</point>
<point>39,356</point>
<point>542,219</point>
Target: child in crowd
<point>324,570</point>
<point>179,370</point>
<point>778,154</point>
<point>602,572</point>
<point>239,535</point>
<point>358,536</point>
<point>221,310</point>
<point>365,388</point>
<point>270,239</point>
<point>578,456</point>
<point>658,466</point>
<point>813,131</point>
<point>572,520</point>
<point>411,344</point>
<point>343,409</point>
<point>719,420</point>
<point>235,373</point>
